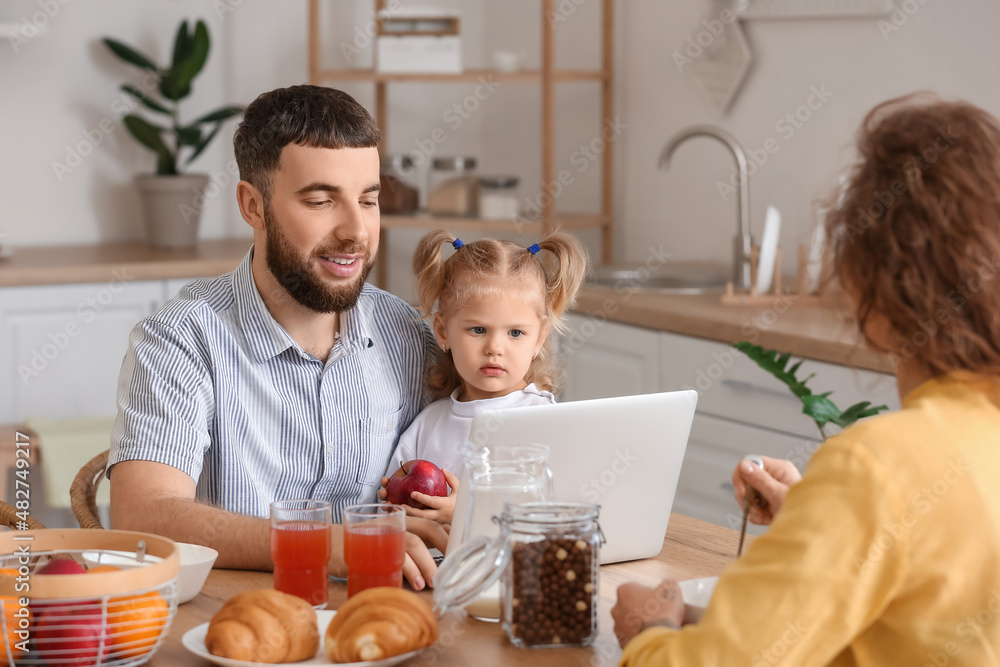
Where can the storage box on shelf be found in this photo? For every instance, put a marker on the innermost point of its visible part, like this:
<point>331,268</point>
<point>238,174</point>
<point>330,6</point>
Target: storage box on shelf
<point>547,76</point>
<point>741,408</point>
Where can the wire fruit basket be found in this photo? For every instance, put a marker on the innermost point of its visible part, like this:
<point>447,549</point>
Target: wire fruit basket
<point>107,616</point>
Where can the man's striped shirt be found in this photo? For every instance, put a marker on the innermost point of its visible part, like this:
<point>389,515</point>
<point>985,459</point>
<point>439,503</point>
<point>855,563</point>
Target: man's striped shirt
<point>214,386</point>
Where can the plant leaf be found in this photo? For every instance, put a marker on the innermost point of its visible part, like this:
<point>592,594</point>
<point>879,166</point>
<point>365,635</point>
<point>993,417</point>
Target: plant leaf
<point>145,99</point>
<point>769,361</point>
<point>130,55</point>
<point>219,114</point>
<point>204,142</point>
<point>171,88</point>
<point>188,136</point>
<point>150,136</point>
<point>858,411</point>
<point>183,45</point>
<point>145,133</point>
<point>188,69</point>
<point>821,409</point>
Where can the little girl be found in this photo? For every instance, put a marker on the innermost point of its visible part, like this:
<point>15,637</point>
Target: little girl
<point>494,306</point>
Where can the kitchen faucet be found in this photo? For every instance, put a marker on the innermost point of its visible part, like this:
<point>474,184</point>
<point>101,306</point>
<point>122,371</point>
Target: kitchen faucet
<point>743,241</point>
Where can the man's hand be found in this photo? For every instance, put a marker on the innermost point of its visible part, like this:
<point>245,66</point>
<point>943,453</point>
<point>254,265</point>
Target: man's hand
<point>441,508</point>
<point>640,607</point>
<point>419,568</point>
<point>772,483</point>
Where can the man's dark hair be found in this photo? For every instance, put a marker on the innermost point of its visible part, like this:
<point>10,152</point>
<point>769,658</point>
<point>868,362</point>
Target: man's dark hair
<point>306,115</point>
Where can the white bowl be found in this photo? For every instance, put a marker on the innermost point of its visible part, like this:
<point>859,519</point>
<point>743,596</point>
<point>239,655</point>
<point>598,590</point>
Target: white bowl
<point>697,594</point>
<point>120,559</point>
<point>196,563</point>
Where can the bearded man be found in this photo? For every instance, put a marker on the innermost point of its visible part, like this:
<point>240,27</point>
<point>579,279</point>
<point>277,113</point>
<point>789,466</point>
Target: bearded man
<point>290,377</point>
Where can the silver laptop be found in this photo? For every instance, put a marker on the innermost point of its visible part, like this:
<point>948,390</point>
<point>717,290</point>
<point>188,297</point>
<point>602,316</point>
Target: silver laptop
<point>623,453</point>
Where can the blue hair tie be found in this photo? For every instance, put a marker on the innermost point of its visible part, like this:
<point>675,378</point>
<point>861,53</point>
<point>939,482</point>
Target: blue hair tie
<point>457,243</point>
<point>533,248</point>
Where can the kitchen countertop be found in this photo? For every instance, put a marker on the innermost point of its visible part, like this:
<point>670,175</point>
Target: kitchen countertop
<point>59,265</point>
<point>813,331</point>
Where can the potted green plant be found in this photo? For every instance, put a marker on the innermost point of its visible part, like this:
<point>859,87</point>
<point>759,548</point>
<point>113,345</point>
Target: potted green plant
<point>818,406</point>
<point>170,198</point>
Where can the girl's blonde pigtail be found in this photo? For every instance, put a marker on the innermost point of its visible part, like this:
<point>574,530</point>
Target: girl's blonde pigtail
<point>428,267</point>
<point>563,282</point>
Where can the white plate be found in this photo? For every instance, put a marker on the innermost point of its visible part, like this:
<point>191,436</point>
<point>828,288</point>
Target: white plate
<point>194,641</point>
<point>697,594</point>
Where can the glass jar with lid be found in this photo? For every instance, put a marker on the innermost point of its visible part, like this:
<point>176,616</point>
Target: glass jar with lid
<point>453,189</point>
<point>547,559</point>
<point>400,186</point>
<point>498,197</point>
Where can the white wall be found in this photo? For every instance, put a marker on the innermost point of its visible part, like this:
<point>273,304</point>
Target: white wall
<point>946,46</point>
<point>62,84</point>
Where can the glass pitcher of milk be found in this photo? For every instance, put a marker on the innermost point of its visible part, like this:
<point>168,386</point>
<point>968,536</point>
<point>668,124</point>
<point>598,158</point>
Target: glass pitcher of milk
<point>495,474</point>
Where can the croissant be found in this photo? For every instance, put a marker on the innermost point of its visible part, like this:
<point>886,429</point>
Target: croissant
<point>379,623</point>
<point>264,626</point>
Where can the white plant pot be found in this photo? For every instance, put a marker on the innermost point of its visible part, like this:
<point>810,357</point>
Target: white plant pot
<point>172,207</point>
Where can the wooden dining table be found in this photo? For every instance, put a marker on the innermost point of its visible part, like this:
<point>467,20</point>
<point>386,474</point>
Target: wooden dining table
<point>691,549</point>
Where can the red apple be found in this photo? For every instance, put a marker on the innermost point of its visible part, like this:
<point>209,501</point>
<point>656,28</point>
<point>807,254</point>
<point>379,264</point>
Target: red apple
<point>67,634</point>
<point>416,475</point>
<point>62,566</point>
<point>70,635</point>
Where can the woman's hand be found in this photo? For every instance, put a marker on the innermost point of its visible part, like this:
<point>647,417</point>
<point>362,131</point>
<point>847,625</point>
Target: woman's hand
<point>771,482</point>
<point>440,508</point>
<point>640,607</point>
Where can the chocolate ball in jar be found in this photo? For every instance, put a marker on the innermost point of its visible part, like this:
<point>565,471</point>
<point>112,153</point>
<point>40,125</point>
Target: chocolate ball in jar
<point>552,578</point>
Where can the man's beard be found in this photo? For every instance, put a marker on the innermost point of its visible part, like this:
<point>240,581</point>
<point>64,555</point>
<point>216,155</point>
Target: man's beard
<point>299,277</point>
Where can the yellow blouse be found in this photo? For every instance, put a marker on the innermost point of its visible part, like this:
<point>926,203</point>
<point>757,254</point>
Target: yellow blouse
<point>886,553</point>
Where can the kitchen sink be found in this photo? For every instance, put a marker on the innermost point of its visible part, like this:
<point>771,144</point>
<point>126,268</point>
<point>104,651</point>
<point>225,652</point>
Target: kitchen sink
<point>665,280</point>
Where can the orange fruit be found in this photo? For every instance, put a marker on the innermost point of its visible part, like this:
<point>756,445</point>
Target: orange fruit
<point>135,623</point>
<point>103,568</point>
<point>11,605</point>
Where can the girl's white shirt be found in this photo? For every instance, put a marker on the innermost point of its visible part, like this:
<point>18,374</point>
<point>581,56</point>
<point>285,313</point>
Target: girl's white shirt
<point>440,431</point>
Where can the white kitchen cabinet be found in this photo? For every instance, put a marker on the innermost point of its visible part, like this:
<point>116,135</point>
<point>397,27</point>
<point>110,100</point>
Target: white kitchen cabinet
<point>62,346</point>
<point>604,359</point>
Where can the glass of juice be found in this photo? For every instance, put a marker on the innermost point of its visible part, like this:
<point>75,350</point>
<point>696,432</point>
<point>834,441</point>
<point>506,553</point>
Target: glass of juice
<point>373,546</point>
<point>300,549</point>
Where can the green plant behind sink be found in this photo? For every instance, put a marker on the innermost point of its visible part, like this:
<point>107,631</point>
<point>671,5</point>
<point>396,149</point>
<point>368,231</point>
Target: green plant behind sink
<point>818,406</point>
<point>174,84</point>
